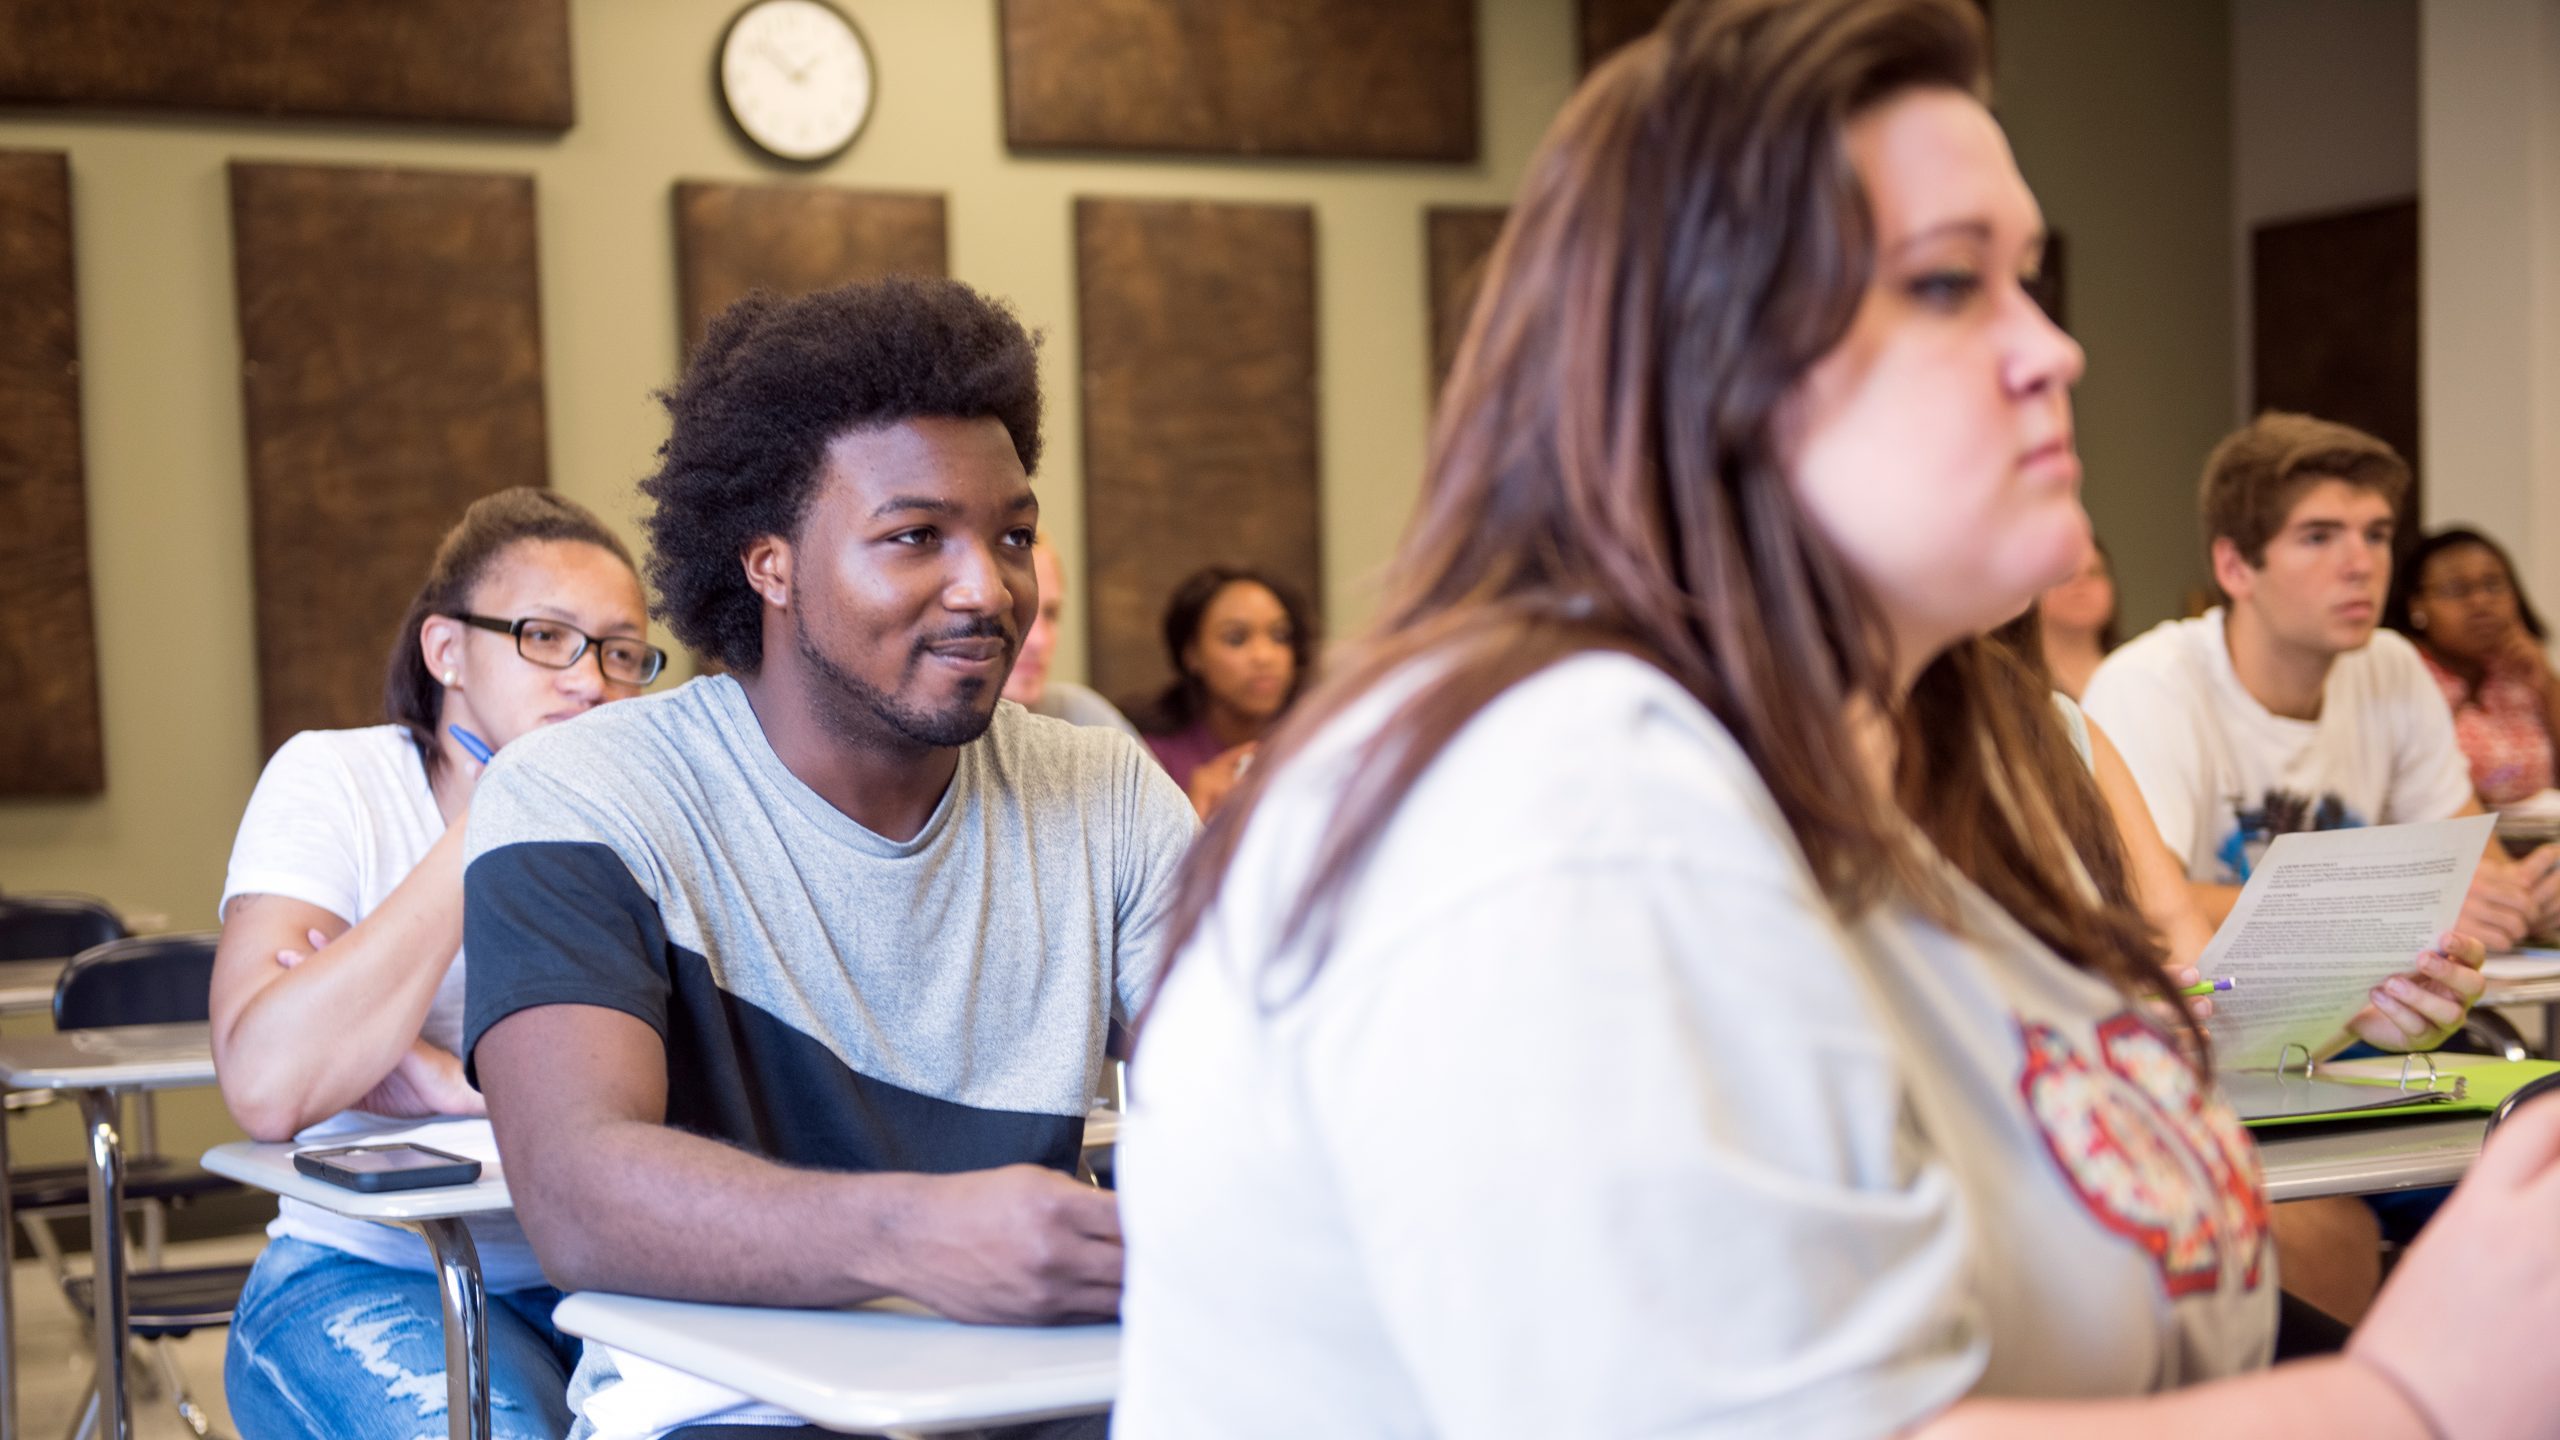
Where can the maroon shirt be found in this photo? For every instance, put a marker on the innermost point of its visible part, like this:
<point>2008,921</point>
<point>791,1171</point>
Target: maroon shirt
<point>1184,751</point>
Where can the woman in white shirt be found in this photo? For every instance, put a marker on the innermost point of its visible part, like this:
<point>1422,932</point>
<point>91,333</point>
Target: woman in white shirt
<point>1673,978</point>
<point>337,991</point>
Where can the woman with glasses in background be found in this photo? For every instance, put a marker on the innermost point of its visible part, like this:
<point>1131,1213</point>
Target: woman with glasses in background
<point>2457,597</point>
<point>337,991</point>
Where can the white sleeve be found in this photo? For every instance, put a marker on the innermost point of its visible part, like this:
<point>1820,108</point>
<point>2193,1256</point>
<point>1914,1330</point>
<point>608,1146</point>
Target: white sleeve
<point>1751,1241</point>
<point>305,833</point>
<point>2430,776</point>
<point>2151,720</point>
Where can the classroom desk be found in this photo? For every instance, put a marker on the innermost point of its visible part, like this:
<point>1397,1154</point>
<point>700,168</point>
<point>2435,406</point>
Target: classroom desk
<point>97,1066</point>
<point>885,1369</point>
<point>2544,992</point>
<point>1102,1130</point>
<point>26,986</point>
<point>2522,834</point>
<point>2301,1162</point>
<point>436,1214</point>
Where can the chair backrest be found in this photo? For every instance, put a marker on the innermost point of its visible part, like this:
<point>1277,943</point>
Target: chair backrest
<point>147,980</point>
<point>50,927</point>
<point>2522,1096</point>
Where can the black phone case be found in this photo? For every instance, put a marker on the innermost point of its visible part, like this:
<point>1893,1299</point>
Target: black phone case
<point>315,1163</point>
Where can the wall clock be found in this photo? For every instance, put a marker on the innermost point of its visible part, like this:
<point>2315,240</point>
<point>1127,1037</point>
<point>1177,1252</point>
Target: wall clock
<point>796,78</point>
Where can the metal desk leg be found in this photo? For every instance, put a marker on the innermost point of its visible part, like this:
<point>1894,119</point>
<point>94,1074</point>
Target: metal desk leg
<point>466,1328</point>
<point>8,1299</point>
<point>101,1111</point>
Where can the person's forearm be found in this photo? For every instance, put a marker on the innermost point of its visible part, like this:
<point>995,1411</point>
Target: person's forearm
<point>2214,902</point>
<point>648,1210</point>
<point>2166,898</point>
<point>313,1039</point>
<point>2307,1400</point>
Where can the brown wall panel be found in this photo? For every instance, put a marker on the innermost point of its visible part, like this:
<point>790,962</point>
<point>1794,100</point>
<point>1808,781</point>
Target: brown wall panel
<point>1608,24</point>
<point>391,332</point>
<point>1349,78</point>
<point>471,61</point>
<point>49,734</point>
<point>1457,240</point>
<point>1198,330</point>
<point>794,239</point>
<point>2335,313</point>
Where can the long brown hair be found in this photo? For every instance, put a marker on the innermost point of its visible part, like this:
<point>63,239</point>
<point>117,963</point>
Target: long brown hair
<point>1605,474</point>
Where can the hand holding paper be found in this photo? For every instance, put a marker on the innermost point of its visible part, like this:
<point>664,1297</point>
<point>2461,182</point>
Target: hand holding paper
<point>2326,917</point>
<point>2422,1007</point>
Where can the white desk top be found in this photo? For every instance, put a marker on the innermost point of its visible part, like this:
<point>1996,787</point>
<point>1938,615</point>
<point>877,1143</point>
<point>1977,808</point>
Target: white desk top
<point>2527,829</point>
<point>2523,992</point>
<point>2368,1159</point>
<point>27,985</point>
<point>270,1167</point>
<point>881,1368</point>
<point>138,1057</point>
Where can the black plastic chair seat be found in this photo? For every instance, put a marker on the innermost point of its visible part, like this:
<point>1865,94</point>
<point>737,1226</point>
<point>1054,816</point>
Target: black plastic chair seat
<point>50,1187</point>
<point>167,1304</point>
<point>147,980</point>
<point>54,927</point>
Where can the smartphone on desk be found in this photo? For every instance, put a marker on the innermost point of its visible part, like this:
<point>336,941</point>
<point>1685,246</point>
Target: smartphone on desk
<point>375,1168</point>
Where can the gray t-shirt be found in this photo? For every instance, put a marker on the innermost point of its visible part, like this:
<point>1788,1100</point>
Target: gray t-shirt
<point>1077,705</point>
<point>829,998</point>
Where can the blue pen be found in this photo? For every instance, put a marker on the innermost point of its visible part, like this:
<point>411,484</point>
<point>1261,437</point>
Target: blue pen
<point>478,748</point>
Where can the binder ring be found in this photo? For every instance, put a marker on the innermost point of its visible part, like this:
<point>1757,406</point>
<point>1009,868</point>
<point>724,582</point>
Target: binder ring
<point>2434,1078</point>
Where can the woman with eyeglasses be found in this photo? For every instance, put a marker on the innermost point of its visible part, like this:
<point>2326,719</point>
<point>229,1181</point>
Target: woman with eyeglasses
<point>337,991</point>
<point>2457,597</point>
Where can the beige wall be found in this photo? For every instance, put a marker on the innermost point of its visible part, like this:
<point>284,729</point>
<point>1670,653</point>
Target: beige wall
<point>2490,268</point>
<point>2120,114</point>
<point>160,355</point>
<point>2324,118</point>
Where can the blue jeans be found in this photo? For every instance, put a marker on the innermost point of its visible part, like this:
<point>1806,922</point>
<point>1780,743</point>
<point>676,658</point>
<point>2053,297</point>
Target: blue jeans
<point>326,1346</point>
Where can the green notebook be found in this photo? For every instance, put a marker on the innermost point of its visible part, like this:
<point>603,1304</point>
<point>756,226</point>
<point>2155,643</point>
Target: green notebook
<point>2483,1082</point>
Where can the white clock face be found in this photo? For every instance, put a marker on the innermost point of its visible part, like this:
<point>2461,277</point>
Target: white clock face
<point>796,77</point>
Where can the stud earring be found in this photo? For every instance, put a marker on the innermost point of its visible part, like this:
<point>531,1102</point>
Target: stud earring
<point>449,678</point>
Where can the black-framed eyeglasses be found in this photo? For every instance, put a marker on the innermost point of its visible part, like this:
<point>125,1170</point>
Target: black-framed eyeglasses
<point>558,645</point>
<point>2487,587</point>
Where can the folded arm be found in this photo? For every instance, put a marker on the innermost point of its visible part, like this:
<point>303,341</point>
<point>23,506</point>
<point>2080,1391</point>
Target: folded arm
<point>294,1044</point>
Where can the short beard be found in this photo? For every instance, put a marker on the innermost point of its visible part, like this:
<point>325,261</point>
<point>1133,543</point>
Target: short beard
<point>858,712</point>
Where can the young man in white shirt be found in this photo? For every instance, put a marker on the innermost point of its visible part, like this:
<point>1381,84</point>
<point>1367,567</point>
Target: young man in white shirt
<point>2287,709</point>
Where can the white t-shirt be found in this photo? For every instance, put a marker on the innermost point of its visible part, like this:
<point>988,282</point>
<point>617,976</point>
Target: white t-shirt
<point>1599,1121</point>
<point>2224,776</point>
<point>339,819</point>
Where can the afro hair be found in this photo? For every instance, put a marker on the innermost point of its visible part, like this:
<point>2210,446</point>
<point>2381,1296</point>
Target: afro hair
<point>772,385</point>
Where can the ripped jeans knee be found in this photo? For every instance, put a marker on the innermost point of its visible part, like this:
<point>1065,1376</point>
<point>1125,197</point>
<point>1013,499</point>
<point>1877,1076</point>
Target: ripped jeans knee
<point>330,1346</point>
